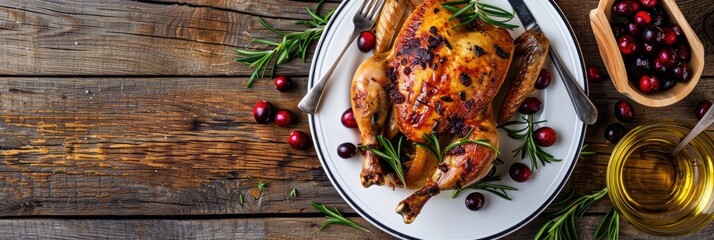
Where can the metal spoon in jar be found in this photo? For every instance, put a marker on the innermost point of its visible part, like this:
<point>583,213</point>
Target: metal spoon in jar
<point>703,124</point>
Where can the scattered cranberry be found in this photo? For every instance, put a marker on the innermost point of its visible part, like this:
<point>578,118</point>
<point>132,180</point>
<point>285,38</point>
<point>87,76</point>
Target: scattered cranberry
<point>263,112</point>
<point>284,118</point>
<point>670,37</point>
<point>519,172</point>
<point>624,111</point>
<point>668,57</point>
<point>283,83</point>
<point>544,79</point>
<point>649,3</point>
<point>348,119</point>
<point>545,137</point>
<point>530,106</point>
<point>702,108</point>
<point>628,45</point>
<point>683,52</point>
<point>475,201</point>
<point>626,8</point>
<point>643,18</point>
<point>594,74</point>
<point>649,84</point>
<point>681,72</point>
<point>614,132</point>
<point>298,140</point>
<point>366,41</point>
<point>346,150</point>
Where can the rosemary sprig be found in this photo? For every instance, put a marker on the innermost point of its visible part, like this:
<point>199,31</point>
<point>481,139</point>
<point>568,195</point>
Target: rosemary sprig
<point>563,225</point>
<point>584,152</point>
<point>335,217</point>
<point>439,153</point>
<point>293,193</point>
<point>293,45</point>
<point>475,9</point>
<point>261,186</point>
<point>391,155</point>
<point>487,185</point>
<point>612,229</point>
<point>528,147</point>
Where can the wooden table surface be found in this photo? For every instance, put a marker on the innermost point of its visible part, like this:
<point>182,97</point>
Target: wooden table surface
<point>129,119</point>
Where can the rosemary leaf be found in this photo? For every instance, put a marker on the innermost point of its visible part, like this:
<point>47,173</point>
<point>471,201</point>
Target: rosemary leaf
<point>293,193</point>
<point>335,217</point>
<point>611,222</point>
<point>435,147</point>
<point>475,9</point>
<point>241,199</point>
<point>391,155</point>
<point>487,185</point>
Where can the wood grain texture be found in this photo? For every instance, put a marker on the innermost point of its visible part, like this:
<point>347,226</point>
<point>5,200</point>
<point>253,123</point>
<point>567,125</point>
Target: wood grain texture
<point>249,228</point>
<point>135,109</point>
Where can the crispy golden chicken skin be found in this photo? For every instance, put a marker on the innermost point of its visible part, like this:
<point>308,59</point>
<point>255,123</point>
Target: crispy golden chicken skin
<point>443,82</point>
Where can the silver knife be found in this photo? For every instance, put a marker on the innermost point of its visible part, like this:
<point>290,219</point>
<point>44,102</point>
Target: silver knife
<point>583,106</point>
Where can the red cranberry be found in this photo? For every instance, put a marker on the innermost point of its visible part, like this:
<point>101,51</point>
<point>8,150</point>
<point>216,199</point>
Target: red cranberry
<point>683,52</point>
<point>652,34</point>
<point>626,8</point>
<point>668,57</point>
<point>677,30</point>
<point>659,67</point>
<point>666,83</point>
<point>544,79</point>
<point>643,18</point>
<point>670,37</point>
<point>649,49</point>
<point>346,150</point>
<point>614,132</point>
<point>366,41</point>
<point>298,140</point>
<point>545,137</point>
<point>475,201</point>
<point>628,45</point>
<point>643,64</point>
<point>702,108</point>
<point>624,111</point>
<point>649,84</point>
<point>348,119</point>
<point>284,118</point>
<point>519,172</point>
<point>263,112</point>
<point>633,29</point>
<point>530,106</point>
<point>681,72</point>
<point>283,83</point>
<point>594,74</point>
<point>649,3</point>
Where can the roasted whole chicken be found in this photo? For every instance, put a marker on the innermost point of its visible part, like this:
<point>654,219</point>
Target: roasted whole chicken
<point>430,78</point>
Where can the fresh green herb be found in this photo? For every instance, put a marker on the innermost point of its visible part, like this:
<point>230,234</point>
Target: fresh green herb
<point>439,153</point>
<point>391,155</point>
<point>475,9</point>
<point>261,187</point>
<point>487,185</point>
<point>241,199</point>
<point>612,229</point>
<point>293,193</point>
<point>563,225</point>
<point>529,147</point>
<point>294,45</point>
<point>335,217</point>
<point>583,152</point>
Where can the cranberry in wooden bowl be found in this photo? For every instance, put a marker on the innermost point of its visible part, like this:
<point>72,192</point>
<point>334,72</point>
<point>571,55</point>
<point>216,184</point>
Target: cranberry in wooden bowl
<point>648,38</point>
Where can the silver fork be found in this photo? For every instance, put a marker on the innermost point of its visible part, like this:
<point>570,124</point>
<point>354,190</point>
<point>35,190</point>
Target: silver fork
<point>363,20</point>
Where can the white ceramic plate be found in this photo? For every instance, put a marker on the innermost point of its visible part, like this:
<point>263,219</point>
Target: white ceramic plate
<point>443,217</point>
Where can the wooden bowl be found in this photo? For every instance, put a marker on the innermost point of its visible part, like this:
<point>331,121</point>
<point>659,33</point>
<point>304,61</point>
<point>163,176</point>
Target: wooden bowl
<point>612,58</point>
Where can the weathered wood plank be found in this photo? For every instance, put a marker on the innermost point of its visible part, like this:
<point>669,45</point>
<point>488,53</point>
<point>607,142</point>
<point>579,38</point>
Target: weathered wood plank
<point>186,37</point>
<point>251,228</point>
<point>164,146</point>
